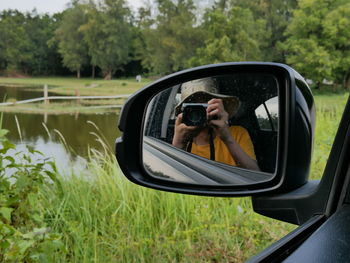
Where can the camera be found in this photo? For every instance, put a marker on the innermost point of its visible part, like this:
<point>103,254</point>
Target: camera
<point>194,114</point>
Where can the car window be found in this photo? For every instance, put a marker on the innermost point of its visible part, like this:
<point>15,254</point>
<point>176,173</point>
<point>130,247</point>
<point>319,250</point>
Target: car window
<point>267,114</point>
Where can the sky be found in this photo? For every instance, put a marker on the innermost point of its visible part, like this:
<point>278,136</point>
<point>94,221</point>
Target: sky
<point>48,6</point>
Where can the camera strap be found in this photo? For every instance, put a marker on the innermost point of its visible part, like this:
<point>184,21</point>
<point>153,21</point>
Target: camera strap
<point>211,142</point>
<point>211,145</point>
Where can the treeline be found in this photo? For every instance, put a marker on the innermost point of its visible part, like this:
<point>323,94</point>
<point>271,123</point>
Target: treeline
<point>106,38</point>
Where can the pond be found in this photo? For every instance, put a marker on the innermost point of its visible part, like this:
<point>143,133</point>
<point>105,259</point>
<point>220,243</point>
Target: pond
<point>64,137</point>
<point>21,93</point>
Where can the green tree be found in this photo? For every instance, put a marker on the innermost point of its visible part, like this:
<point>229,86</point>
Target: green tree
<point>15,51</point>
<point>23,43</point>
<point>277,15</point>
<point>171,38</point>
<point>40,29</point>
<point>108,34</point>
<point>92,33</point>
<point>318,40</point>
<point>232,34</point>
<point>337,39</point>
<point>71,44</point>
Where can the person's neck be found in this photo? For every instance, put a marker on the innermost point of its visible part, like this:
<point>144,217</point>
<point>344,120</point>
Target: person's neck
<point>202,138</point>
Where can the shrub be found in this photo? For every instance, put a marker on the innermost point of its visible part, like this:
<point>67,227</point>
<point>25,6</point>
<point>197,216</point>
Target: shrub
<point>24,236</point>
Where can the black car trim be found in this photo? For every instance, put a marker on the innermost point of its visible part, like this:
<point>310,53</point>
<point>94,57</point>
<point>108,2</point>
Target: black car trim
<point>281,249</point>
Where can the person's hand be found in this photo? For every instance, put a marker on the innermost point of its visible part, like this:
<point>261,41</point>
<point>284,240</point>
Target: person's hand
<point>218,119</point>
<point>182,133</point>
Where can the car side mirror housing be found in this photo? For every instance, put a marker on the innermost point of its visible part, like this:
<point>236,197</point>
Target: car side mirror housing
<point>248,129</point>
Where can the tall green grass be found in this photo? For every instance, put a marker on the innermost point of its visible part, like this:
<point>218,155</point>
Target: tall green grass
<point>329,110</point>
<point>105,218</point>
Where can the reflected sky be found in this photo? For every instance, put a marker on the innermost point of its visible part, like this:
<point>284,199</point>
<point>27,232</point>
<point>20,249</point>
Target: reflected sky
<point>66,162</point>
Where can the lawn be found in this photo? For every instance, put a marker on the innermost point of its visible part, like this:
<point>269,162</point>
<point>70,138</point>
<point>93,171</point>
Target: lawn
<point>72,87</point>
<point>329,109</point>
<point>67,107</point>
<point>85,86</point>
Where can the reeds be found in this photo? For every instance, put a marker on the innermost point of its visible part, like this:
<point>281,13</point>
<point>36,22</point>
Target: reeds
<point>108,219</point>
<point>105,218</point>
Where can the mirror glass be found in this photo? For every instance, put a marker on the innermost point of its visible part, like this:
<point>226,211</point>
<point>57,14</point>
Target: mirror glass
<point>201,131</point>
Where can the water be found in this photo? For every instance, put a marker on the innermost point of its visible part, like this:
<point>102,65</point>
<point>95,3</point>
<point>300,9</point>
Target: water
<point>64,137</point>
<point>20,93</point>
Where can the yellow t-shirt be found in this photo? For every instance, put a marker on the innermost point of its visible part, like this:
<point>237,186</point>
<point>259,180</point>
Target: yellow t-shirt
<point>222,153</point>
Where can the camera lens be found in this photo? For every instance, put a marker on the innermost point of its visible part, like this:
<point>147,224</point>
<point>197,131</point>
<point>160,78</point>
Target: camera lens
<point>195,115</point>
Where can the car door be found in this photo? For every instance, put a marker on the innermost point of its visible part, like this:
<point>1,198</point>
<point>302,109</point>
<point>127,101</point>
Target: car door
<point>324,236</point>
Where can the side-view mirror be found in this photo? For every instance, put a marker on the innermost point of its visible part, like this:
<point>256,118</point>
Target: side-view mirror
<point>227,129</point>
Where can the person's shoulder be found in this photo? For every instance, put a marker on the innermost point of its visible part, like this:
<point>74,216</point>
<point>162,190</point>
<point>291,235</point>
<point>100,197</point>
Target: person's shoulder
<point>239,133</point>
<point>238,129</point>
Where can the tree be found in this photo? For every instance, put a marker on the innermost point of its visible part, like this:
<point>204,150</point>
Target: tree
<point>70,39</point>
<point>92,33</point>
<point>40,29</point>
<point>171,38</point>
<point>318,40</point>
<point>232,34</point>
<point>337,39</point>
<point>15,51</point>
<point>23,43</point>
<point>108,35</point>
<point>277,14</point>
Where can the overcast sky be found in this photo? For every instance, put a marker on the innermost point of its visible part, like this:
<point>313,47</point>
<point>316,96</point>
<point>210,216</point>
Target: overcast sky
<point>48,6</point>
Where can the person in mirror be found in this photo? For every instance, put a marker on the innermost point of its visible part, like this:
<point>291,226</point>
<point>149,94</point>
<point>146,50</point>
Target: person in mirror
<point>216,140</point>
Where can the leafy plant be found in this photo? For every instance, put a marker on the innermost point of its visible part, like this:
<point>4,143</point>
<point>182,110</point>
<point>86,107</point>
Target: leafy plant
<point>24,236</point>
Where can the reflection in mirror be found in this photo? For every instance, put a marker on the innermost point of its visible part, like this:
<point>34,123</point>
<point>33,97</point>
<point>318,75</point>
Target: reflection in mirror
<point>227,121</point>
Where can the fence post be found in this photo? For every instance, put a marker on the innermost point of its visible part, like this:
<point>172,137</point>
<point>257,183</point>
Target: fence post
<point>77,94</point>
<point>45,117</point>
<point>46,95</point>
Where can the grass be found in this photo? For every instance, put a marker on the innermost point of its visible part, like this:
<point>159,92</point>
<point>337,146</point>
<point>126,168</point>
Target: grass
<point>70,87</point>
<point>105,218</point>
<point>85,86</point>
<point>329,109</point>
<point>84,107</point>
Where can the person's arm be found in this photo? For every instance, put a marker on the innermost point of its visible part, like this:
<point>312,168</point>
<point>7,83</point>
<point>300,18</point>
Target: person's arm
<point>220,124</point>
<point>237,152</point>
